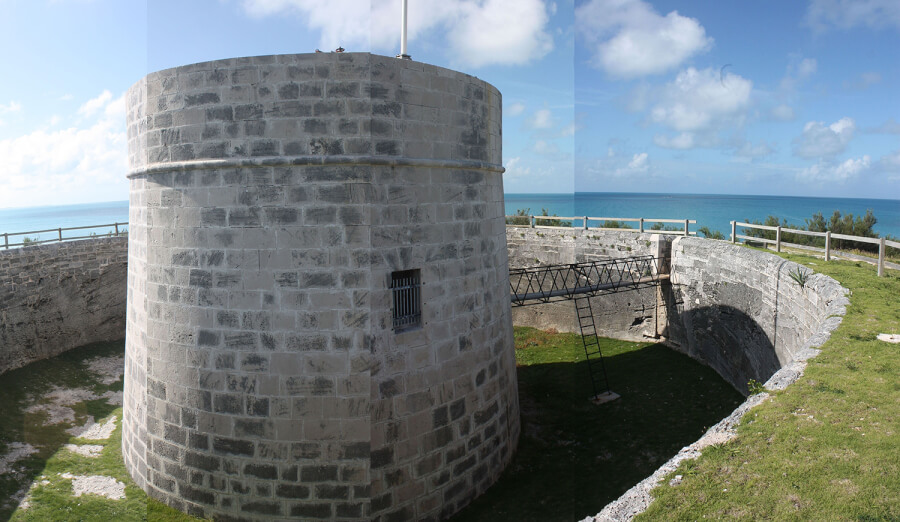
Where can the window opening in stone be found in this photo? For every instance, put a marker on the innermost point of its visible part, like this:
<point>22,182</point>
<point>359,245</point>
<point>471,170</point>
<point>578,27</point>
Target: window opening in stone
<point>405,286</point>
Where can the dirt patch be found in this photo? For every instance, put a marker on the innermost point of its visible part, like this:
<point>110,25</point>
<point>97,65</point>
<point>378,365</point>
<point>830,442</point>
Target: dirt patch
<point>15,451</point>
<point>57,409</point>
<point>93,430</point>
<point>85,450</point>
<point>95,485</point>
<point>107,369</point>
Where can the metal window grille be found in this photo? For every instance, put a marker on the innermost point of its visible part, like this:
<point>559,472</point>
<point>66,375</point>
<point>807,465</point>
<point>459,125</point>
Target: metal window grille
<point>406,288</point>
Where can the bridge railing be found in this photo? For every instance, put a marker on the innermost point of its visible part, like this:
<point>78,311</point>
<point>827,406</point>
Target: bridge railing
<point>604,223</point>
<point>39,237</point>
<point>828,250</point>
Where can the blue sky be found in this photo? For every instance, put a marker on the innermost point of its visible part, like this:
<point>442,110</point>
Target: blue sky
<point>766,97</point>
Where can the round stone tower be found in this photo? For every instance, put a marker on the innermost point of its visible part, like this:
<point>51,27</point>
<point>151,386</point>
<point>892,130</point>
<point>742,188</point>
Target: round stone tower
<point>318,301</point>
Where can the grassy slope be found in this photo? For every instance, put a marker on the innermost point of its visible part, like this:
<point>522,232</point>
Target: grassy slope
<point>54,500</point>
<point>573,456</point>
<point>828,447</point>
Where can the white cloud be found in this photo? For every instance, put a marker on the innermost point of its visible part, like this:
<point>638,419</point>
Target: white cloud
<point>835,172</point>
<point>821,141</point>
<point>684,140</point>
<point>629,38</point>
<point>783,113</point>
<point>704,100</point>
<point>44,163</point>
<point>863,81</point>
<point>749,150</point>
<point>891,162</point>
<point>569,130</point>
<point>891,126</point>
<point>542,147</point>
<point>542,119</point>
<point>515,109</point>
<point>848,14</point>
<point>479,32</point>
<point>12,106</point>
<point>798,71</point>
<point>639,163</point>
<point>489,32</point>
<point>514,169</point>
<point>91,106</point>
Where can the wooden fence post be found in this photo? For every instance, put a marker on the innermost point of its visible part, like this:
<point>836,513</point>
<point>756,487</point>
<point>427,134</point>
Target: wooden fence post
<point>60,234</point>
<point>585,223</point>
<point>641,224</point>
<point>531,220</point>
<point>733,232</point>
<point>6,240</point>
<point>881,252</point>
<point>686,227</point>
<point>117,230</point>
<point>778,239</point>
<point>827,245</point>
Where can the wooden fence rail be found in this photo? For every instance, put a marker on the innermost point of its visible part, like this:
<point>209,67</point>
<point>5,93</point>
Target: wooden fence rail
<point>882,243</point>
<point>26,241</point>
<point>585,220</point>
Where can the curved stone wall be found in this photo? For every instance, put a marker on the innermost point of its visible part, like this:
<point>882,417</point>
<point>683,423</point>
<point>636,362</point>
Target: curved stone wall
<point>739,311</point>
<point>735,309</point>
<point>59,296</point>
<point>271,200</point>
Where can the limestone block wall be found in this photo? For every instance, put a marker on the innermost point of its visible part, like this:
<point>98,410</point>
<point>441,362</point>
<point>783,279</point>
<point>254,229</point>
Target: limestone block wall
<point>738,310</point>
<point>271,200</point>
<point>59,296</point>
<point>635,315</point>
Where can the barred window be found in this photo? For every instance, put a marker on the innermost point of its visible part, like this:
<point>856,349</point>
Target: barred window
<point>405,286</point>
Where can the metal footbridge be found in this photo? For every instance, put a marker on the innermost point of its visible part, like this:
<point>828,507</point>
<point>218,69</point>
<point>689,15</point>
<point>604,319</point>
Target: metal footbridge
<point>579,282</point>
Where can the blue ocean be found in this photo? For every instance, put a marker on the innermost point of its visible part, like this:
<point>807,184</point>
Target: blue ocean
<point>29,219</point>
<point>711,210</point>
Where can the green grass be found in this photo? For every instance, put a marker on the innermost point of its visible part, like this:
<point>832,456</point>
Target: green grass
<point>54,500</point>
<point>574,457</point>
<point>826,448</point>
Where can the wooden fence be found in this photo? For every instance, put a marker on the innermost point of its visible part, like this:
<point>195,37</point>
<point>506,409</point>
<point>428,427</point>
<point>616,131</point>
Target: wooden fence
<point>532,221</point>
<point>26,240</point>
<point>882,243</point>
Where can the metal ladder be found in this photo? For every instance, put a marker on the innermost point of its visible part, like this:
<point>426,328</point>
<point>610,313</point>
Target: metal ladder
<point>599,382</point>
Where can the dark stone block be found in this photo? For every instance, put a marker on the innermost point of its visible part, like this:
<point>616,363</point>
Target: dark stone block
<point>290,91</point>
<point>223,113</point>
<point>332,492</point>
<point>263,471</point>
<point>382,457</point>
<point>393,109</point>
<point>252,428</point>
<point>233,446</point>
<point>463,466</point>
<point>225,361</point>
<point>486,414</point>
<point>201,99</point>
<point>196,495</point>
<point>201,461</point>
<point>208,338</point>
<point>315,126</point>
<point>200,278</point>
<point>228,404</point>
<point>440,417</point>
<point>261,508</point>
<point>356,450</point>
<point>454,490</point>
<point>253,111</point>
<point>456,453</point>
<point>381,503</point>
<point>258,407</point>
<point>292,491</point>
<point>401,515</point>
<point>318,473</point>
<point>198,441</point>
<point>345,510</point>
<point>264,148</point>
<point>311,510</point>
<point>387,148</point>
<point>282,216</point>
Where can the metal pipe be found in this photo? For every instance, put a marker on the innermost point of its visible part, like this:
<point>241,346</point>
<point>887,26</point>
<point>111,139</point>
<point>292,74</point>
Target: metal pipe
<point>403,50</point>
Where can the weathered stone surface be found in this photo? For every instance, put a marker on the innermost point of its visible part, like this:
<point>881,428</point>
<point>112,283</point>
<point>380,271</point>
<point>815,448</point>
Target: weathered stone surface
<point>59,296</point>
<point>264,231</point>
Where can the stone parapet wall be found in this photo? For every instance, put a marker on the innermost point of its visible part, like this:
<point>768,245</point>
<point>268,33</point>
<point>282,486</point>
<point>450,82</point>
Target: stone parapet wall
<point>59,296</point>
<point>739,311</point>
<point>634,315</point>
